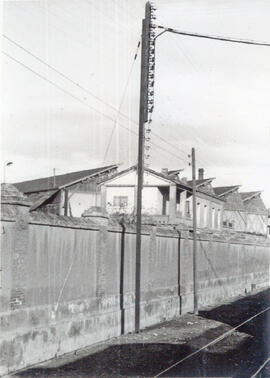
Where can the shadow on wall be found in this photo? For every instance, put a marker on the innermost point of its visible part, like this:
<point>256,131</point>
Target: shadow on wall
<point>226,358</point>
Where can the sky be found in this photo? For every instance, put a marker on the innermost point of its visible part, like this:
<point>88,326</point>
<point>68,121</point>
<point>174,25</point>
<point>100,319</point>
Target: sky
<point>210,95</point>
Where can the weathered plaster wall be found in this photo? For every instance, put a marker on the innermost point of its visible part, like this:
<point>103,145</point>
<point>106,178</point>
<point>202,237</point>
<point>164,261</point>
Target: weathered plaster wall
<point>209,212</point>
<point>256,223</point>
<point>225,268</point>
<point>235,219</point>
<point>68,283</point>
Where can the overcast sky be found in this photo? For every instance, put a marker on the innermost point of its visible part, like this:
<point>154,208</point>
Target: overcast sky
<point>210,95</point>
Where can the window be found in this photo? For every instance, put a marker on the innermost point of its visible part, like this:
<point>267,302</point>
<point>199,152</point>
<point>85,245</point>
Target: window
<point>213,217</point>
<point>199,213</point>
<point>120,201</point>
<point>218,219</point>
<point>187,208</point>
<point>205,215</point>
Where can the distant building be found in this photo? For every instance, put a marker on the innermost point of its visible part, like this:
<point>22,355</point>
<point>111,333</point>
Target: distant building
<point>68,194</point>
<point>243,212</point>
<point>234,215</point>
<point>257,214</point>
<point>165,197</point>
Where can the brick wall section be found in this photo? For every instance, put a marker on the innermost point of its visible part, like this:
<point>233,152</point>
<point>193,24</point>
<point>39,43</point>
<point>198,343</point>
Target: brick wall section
<point>16,206</point>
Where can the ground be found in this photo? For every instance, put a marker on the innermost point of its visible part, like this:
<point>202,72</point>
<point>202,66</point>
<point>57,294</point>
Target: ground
<point>155,349</point>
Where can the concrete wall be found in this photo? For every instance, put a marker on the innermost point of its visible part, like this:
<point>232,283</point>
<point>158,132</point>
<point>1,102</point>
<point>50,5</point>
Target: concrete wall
<point>68,282</point>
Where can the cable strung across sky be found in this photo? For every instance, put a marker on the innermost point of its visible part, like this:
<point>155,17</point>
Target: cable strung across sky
<point>215,37</point>
<point>87,90</point>
<point>86,104</point>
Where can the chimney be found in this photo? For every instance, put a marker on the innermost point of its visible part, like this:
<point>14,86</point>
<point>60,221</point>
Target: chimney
<point>165,171</point>
<point>201,173</point>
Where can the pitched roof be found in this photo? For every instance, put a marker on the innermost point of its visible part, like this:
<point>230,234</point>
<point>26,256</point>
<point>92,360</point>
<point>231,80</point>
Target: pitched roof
<point>167,177</point>
<point>39,198</point>
<point>171,178</point>
<point>201,181</point>
<point>222,190</point>
<point>47,183</point>
<point>248,195</point>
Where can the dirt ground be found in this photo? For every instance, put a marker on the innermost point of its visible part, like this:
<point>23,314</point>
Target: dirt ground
<point>157,348</point>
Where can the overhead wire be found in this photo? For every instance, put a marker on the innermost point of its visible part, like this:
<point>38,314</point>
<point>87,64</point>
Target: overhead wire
<point>165,29</point>
<point>87,90</point>
<point>215,37</point>
<point>213,342</point>
<point>195,68</point>
<point>59,72</point>
<point>90,93</point>
<point>83,102</point>
<point>65,76</point>
<point>121,102</point>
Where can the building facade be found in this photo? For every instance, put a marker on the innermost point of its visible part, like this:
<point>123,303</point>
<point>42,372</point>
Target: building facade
<point>164,197</point>
<point>243,212</point>
<point>256,212</point>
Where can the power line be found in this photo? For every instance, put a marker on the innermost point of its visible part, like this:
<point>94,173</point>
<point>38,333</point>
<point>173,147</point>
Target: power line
<point>56,85</point>
<point>215,37</point>
<point>85,89</point>
<point>83,102</point>
<point>121,102</point>
<point>79,85</point>
<point>59,72</point>
<point>213,342</point>
<point>170,144</point>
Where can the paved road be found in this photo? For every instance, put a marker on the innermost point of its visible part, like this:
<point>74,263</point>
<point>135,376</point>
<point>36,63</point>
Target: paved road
<point>152,351</point>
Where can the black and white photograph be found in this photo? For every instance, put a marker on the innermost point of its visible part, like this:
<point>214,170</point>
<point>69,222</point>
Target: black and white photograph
<point>135,188</point>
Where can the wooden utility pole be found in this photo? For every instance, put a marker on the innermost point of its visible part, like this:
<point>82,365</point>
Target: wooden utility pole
<point>194,207</point>
<point>146,64</point>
